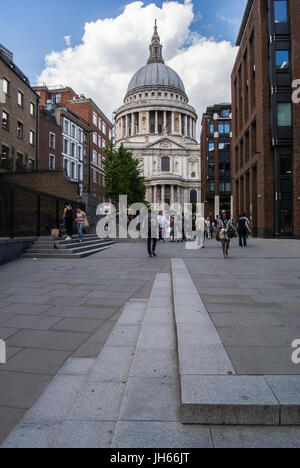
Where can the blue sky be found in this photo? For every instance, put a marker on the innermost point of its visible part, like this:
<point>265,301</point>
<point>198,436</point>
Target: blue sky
<point>32,28</point>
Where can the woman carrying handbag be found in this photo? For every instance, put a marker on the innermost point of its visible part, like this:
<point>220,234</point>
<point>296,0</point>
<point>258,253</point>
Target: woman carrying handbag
<point>82,222</point>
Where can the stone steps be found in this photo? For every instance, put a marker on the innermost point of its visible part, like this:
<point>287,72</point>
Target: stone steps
<point>210,392</point>
<point>67,249</point>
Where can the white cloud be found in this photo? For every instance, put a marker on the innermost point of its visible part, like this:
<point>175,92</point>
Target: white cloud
<point>68,40</point>
<point>113,49</point>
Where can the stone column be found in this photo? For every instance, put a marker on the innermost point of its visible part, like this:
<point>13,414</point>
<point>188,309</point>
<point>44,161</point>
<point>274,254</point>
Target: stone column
<point>163,194</point>
<point>155,194</point>
<point>185,125</point>
<point>180,124</point>
<point>132,124</point>
<point>165,119</point>
<point>126,125</point>
<point>191,127</point>
<point>156,122</point>
<point>172,194</point>
<point>173,123</point>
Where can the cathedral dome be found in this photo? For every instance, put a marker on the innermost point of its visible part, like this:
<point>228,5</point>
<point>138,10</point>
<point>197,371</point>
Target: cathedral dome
<point>156,74</point>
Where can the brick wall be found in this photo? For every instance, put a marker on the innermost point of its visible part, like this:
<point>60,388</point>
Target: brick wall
<point>49,182</point>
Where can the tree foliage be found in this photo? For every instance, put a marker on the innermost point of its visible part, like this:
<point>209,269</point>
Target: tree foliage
<point>123,176</point>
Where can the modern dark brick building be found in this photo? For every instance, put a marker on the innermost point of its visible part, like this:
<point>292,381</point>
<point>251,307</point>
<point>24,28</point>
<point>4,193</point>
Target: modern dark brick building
<point>265,156</point>
<point>215,159</point>
<point>19,108</point>
<point>100,129</point>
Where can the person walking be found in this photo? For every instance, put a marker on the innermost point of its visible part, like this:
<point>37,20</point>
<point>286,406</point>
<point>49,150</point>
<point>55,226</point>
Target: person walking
<point>81,220</point>
<point>225,231</point>
<point>152,229</point>
<point>161,219</point>
<point>68,221</point>
<point>243,229</point>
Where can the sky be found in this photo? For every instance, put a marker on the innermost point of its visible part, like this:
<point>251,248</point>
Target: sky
<point>96,46</point>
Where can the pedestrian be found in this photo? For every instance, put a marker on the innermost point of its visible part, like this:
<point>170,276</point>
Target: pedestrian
<point>152,230</point>
<point>68,221</point>
<point>208,227</point>
<point>161,219</point>
<point>81,221</point>
<point>225,232</point>
<point>178,229</point>
<point>243,229</point>
<point>248,221</point>
<point>172,228</point>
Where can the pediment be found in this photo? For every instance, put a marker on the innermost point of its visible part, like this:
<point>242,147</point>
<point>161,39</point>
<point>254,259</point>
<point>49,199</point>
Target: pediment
<point>165,144</point>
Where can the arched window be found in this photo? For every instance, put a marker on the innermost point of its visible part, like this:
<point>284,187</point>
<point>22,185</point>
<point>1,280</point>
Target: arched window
<point>193,196</point>
<point>165,164</point>
<point>193,175</point>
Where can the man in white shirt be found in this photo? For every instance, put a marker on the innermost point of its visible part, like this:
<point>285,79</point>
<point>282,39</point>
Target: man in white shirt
<point>161,219</point>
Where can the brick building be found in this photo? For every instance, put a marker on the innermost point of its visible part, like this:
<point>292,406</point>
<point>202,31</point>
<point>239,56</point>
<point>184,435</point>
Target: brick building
<point>19,108</point>
<point>215,159</point>
<point>265,156</point>
<point>50,142</point>
<point>75,147</point>
<point>99,125</point>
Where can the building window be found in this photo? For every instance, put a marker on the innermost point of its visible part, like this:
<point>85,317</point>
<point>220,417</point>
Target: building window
<point>79,172</point>
<point>73,166</point>
<point>4,160</point>
<point>211,168</point>
<point>79,153</point>
<point>193,175</point>
<point>31,137</point>
<point>66,146</point>
<point>94,177</point>
<point>165,164</point>
<point>95,138</point>
<point>103,144</point>
<point>73,150</point>
<point>66,167</point>
<point>95,157</point>
<point>99,160</point>
<point>31,165</point>
<point>211,146</point>
<point>51,162</point>
<point>5,121</point>
<point>282,59</point>
<point>99,141</point>
<point>224,129</point>
<point>110,134</point>
<point>211,186</point>
<point>284,114</point>
<point>99,124</point>
<point>20,130</point>
<point>104,128</point>
<point>226,113</point>
<point>51,140</point>
<point>73,131</point>
<point>66,127</point>
<point>5,86</point>
<point>32,109</point>
<point>95,119</point>
<point>20,99</point>
<point>57,98</point>
<point>211,129</point>
<point>19,162</point>
<point>280,11</point>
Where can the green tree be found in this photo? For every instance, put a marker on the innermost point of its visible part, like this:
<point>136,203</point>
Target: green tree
<point>123,176</point>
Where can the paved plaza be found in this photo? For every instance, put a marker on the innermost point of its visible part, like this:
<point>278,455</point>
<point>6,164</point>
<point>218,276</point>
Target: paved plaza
<point>63,319</point>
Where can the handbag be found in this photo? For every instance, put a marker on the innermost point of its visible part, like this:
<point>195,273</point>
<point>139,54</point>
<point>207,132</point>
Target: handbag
<point>85,223</point>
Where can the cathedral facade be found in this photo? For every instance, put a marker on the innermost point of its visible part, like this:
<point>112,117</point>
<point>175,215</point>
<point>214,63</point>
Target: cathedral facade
<point>157,124</point>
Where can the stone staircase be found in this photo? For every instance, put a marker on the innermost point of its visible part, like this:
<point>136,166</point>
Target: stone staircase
<point>162,379</point>
<point>47,247</point>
